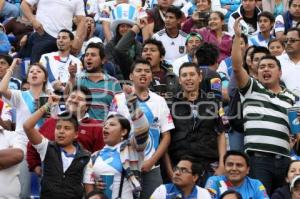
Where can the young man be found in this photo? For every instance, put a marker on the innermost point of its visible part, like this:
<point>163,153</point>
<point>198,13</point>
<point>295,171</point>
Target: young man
<point>171,36</point>
<point>64,160</point>
<point>249,12</point>
<point>255,57</point>
<point>159,118</point>
<point>237,168</point>
<point>198,128</point>
<point>266,126</point>
<point>89,130</point>
<point>265,23</point>
<point>57,63</point>
<point>183,183</point>
<point>287,20</point>
<point>102,86</point>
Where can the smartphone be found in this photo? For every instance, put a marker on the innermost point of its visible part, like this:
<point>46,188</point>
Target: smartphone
<point>42,101</point>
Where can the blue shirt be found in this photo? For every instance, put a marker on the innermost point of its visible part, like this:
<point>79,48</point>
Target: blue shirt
<point>249,189</point>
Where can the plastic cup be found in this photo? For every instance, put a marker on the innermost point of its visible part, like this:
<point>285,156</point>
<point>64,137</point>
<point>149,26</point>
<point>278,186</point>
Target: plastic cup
<point>293,119</point>
<point>108,180</point>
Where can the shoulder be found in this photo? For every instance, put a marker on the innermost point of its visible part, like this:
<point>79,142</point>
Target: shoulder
<point>203,193</point>
<point>161,32</point>
<point>156,97</point>
<point>183,34</point>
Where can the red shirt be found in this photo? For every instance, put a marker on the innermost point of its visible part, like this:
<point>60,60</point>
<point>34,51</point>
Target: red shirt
<point>89,136</point>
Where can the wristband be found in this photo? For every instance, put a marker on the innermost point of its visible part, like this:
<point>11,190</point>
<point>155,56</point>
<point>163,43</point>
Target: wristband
<point>47,107</point>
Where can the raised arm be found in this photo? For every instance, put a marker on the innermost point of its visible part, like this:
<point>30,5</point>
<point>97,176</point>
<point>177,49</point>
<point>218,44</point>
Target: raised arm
<point>240,73</point>
<point>33,134</point>
<point>4,90</point>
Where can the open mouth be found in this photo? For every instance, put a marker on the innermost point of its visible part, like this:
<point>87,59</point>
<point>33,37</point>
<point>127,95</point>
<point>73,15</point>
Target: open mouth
<point>143,80</point>
<point>267,76</point>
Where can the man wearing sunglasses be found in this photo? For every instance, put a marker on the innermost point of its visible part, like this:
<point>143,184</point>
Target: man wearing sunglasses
<point>290,61</point>
<point>183,183</point>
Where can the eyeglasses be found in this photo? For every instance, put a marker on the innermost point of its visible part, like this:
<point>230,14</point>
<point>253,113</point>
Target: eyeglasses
<point>291,40</point>
<point>181,170</point>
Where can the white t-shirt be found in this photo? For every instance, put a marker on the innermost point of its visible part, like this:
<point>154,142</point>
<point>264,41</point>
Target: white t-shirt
<point>178,62</point>
<point>108,162</point>
<point>175,47</point>
<point>42,150</point>
<point>55,15</point>
<point>57,66</point>
<point>161,193</point>
<point>162,119</point>
<point>9,178</point>
<point>279,24</point>
<point>290,73</point>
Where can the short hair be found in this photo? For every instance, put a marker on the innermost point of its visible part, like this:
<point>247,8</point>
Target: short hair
<point>176,11</point>
<point>86,92</point>
<point>231,191</point>
<point>159,44</point>
<point>67,116</point>
<point>276,40</point>
<point>139,61</point>
<point>243,36</point>
<point>272,58</point>
<point>195,166</point>
<point>207,54</point>
<point>294,29</point>
<point>259,49</point>
<point>189,64</point>
<point>237,153</point>
<point>124,122</point>
<point>96,192</point>
<point>100,48</point>
<point>71,35</point>
<point>266,14</point>
<point>290,3</point>
<point>193,34</point>
<point>91,16</point>
<point>7,58</point>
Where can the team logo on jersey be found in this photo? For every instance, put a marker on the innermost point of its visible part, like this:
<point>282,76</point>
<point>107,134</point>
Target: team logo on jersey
<point>215,84</point>
<point>181,49</point>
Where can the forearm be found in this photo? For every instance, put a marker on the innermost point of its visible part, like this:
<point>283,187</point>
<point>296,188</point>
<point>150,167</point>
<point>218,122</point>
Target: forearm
<point>126,41</point>
<point>10,157</point>
<point>4,84</point>
<point>221,147</point>
<point>106,30</point>
<point>27,11</point>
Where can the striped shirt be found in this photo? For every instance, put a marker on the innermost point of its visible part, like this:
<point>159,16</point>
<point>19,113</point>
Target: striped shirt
<point>103,92</point>
<point>266,121</point>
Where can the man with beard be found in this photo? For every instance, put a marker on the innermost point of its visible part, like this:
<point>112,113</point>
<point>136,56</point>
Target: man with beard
<point>57,63</point>
<point>236,165</point>
<point>102,86</point>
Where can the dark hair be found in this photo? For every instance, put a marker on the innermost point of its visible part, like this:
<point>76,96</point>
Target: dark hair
<point>124,122</point>
<point>139,61</point>
<point>176,11</point>
<point>266,14</point>
<point>207,54</point>
<point>7,58</point>
<point>91,16</point>
<point>100,48</point>
<point>231,191</point>
<point>159,44</point>
<point>272,58</point>
<point>220,14</point>
<point>259,49</point>
<point>276,40</point>
<point>243,36</point>
<point>86,92</point>
<point>290,3</point>
<point>96,192</point>
<point>189,64</point>
<point>196,168</point>
<point>237,153</point>
<point>245,65</point>
<point>289,166</point>
<point>67,116</point>
<point>71,35</point>
<point>294,29</point>
<point>193,34</point>
<point>43,69</point>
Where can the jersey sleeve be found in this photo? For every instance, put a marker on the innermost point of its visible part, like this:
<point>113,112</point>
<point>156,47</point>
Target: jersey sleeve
<point>88,176</point>
<point>212,187</point>
<point>261,192</point>
<point>42,148</point>
<point>159,193</point>
<point>279,24</point>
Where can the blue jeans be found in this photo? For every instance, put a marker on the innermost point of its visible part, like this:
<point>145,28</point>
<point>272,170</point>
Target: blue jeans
<point>9,10</point>
<point>41,44</point>
<point>270,170</point>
